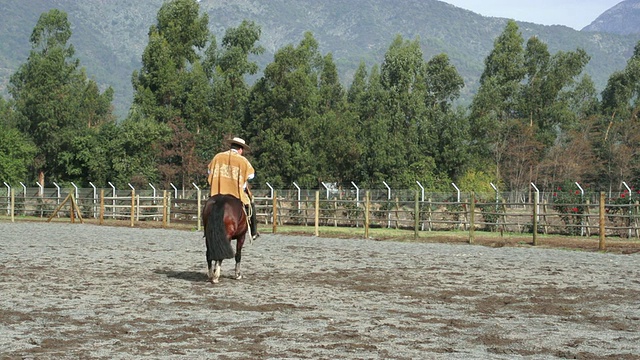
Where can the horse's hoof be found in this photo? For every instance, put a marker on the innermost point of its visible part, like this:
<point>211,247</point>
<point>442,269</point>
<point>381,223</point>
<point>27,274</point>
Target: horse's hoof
<point>238,277</point>
<point>215,281</point>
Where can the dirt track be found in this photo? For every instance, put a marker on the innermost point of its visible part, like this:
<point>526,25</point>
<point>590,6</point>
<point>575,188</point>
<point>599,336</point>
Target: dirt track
<point>85,291</point>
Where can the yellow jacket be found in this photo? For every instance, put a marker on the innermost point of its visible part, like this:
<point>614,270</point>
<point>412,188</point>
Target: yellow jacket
<point>228,174</point>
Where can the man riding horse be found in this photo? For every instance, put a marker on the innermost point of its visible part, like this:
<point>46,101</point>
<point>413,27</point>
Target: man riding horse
<point>229,173</point>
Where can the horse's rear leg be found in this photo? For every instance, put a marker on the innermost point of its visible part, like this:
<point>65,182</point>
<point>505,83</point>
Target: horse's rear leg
<point>239,257</point>
<point>214,271</point>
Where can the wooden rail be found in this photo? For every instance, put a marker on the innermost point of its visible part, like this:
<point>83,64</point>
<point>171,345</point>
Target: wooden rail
<point>584,220</point>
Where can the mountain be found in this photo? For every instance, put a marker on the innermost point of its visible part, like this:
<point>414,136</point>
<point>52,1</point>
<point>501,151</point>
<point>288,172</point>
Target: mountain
<point>623,19</point>
<point>110,35</point>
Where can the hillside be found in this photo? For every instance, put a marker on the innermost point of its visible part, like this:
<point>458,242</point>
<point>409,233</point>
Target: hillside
<point>623,19</point>
<point>110,35</point>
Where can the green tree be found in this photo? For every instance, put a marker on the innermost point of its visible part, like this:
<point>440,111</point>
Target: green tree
<point>282,107</point>
<point>184,29</point>
<point>403,79</point>
<point>131,152</point>
<point>172,88</point>
<point>334,133</point>
<point>54,98</point>
<point>358,85</point>
<point>443,82</point>
<point>497,96</point>
<point>228,68</point>
<point>374,132</point>
<point>448,129</point>
<point>547,93</point>
<point>619,133</point>
<point>621,96</point>
<point>16,153</point>
<point>161,87</point>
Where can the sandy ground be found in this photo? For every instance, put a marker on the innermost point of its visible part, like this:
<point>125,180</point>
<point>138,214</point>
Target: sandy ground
<point>80,291</point>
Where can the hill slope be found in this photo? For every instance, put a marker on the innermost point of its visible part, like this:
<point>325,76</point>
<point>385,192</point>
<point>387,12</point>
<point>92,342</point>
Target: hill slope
<point>110,35</point>
<point>623,19</point>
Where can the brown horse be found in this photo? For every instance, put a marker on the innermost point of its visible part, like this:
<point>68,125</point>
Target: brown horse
<point>224,219</point>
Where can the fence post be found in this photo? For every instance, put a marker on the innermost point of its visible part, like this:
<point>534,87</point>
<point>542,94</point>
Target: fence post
<point>586,217</point>
<point>472,217</point>
<point>94,199</point>
<point>317,213</point>
<point>535,220</point>
<point>8,198</point>
<point>169,209</point>
<point>133,206</point>
<point>635,220</point>
<point>13,205</point>
<point>199,194</point>
<point>275,211</point>
<point>601,244</point>
<point>72,210</point>
<point>164,208</point>
<point>137,207</point>
<point>417,218</point>
<point>429,214</point>
<point>101,211</point>
<point>366,215</point>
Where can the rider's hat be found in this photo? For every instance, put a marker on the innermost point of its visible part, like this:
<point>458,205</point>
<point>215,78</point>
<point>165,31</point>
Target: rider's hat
<point>240,142</point>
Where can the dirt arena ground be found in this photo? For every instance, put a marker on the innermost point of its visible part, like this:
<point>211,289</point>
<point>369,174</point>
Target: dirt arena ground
<point>81,291</point>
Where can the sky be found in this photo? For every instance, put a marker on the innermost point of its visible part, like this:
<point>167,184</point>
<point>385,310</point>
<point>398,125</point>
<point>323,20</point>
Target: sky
<point>572,13</point>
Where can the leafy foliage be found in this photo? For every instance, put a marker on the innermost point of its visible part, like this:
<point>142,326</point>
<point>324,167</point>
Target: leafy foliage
<point>54,98</point>
<point>535,116</point>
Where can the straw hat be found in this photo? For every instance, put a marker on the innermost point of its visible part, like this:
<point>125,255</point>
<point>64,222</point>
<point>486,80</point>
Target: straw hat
<point>240,142</point>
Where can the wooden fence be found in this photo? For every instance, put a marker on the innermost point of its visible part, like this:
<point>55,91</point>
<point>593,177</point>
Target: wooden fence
<point>585,219</point>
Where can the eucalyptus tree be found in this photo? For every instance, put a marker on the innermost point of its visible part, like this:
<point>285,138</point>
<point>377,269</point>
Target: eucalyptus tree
<point>408,125</point>
<point>497,97</point>
<point>172,89</point>
<point>619,130</point>
<point>373,128</point>
<point>408,129</point>
<point>405,113</point>
<point>527,86</point>
<point>448,129</point>
<point>282,106</point>
<point>16,153</point>
<point>162,84</point>
<point>549,89</point>
<point>228,68</point>
<point>129,152</point>
<point>335,130</point>
<point>54,99</point>
<point>621,96</point>
<point>16,149</point>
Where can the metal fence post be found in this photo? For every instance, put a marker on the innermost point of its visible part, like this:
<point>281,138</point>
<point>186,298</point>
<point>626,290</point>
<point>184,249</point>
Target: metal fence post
<point>535,220</point>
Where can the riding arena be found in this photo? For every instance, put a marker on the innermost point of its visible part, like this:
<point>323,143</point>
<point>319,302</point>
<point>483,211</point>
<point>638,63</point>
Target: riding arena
<point>83,291</point>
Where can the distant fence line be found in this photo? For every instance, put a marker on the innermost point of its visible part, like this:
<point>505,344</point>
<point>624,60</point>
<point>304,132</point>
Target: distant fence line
<point>366,209</point>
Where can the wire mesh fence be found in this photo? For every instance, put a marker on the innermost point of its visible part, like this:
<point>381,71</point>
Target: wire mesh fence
<point>511,212</point>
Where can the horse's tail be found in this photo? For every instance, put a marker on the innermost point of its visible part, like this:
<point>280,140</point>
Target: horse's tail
<point>218,245</point>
